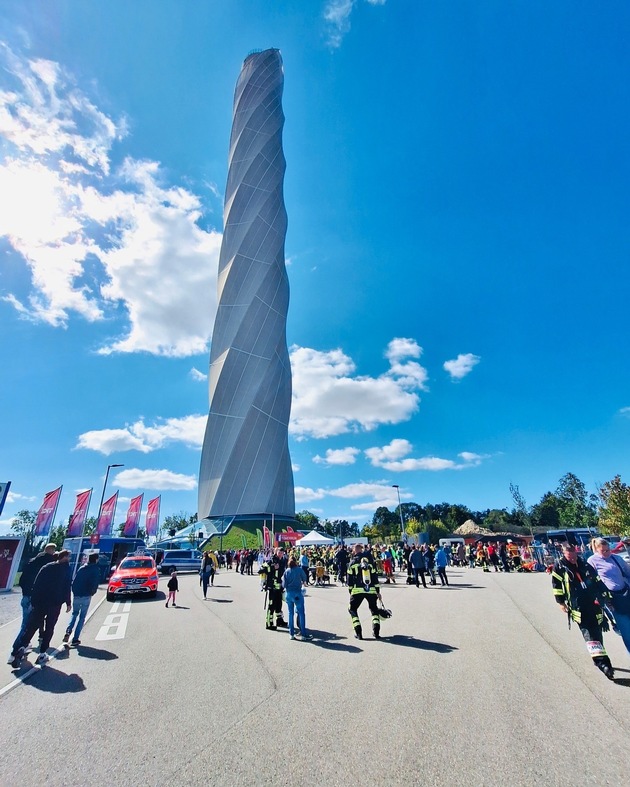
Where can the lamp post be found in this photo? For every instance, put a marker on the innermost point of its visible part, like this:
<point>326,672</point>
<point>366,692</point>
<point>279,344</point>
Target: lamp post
<point>402,522</point>
<point>100,508</point>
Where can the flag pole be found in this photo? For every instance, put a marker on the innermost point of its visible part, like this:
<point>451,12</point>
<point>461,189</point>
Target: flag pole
<point>76,562</point>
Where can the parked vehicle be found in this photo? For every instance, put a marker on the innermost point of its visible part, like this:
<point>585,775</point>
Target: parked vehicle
<point>180,560</point>
<point>135,574</point>
<point>111,550</point>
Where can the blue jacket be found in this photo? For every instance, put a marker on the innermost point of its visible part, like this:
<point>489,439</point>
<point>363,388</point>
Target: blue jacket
<point>86,581</point>
<point>441,559</point>
<point>292,580</point>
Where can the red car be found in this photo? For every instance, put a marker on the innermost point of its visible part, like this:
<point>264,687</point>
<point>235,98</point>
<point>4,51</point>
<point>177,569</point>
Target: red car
<point>135,574</point>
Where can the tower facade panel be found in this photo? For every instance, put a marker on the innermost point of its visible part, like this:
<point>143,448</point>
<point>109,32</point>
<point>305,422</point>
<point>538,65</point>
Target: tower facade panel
<point>245,464</point>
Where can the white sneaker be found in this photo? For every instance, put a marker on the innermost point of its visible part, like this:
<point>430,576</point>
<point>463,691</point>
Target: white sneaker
<point>10,659</point>
<point>42,658</point>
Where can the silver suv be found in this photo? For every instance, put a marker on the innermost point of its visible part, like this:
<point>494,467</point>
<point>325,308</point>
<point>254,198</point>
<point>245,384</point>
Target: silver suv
<point>180,560</point>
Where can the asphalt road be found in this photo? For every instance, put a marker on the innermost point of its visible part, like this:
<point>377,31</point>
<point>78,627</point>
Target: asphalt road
<point>479,683</point>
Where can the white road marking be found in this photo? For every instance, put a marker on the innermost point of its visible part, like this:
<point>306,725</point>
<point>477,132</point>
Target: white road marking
<point>115,624</point>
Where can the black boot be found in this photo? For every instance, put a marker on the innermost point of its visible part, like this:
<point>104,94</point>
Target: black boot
<point>376,630</point>
<point>358,633</point>
<point>603,663</point>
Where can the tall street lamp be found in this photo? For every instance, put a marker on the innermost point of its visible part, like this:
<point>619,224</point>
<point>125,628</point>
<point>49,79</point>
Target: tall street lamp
<point>100,508</point>
<point>402,522</point>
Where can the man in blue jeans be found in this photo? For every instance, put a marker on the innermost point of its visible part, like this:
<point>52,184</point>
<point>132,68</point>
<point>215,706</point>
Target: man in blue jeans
<point>292,581</point>
<point>84,587</point>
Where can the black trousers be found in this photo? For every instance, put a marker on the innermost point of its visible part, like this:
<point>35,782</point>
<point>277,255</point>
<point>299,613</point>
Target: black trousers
<point>39,617</point>
<point>355,603</point>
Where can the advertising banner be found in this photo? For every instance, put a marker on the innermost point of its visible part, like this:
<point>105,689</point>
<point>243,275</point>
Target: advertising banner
<point>266,537</point>
<point>46,514</point>
<point>79,515</point>
<point>10,553</point>
<point>153,517</point>
<point>291,537</point>
<point>133,517</point>
<point>4,491</point>
<point>106,518</point>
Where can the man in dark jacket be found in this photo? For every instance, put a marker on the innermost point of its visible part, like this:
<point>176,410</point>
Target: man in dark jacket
<point>50,590</point>
<point>31,570</point>
<point>418,566</point>
<point>84,587</point>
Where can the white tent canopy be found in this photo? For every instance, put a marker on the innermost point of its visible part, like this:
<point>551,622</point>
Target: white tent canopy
<point>314,539</point>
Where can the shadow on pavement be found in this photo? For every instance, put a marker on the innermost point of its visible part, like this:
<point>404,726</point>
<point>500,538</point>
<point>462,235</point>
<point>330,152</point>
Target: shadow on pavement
<point>57,682</point>
<point>420,644</point>
<point>622,682</point>
<point>459,586</point>
<point>95,653</point>
<point>326,640</point>
<point>179,606</point>
<point>221,600</point>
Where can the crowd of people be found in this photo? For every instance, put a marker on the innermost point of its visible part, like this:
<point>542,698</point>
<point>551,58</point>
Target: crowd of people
<point>593,588</point>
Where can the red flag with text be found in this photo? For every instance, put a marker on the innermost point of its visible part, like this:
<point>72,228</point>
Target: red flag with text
<point>266,537</point>
<point>78,517</point>
<point>46,514</point>
<point>153,516</point>
<point>106,517</point>
<point>133,517</point>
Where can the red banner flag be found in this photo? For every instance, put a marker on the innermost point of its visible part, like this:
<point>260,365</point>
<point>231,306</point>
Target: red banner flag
<point>133,517</point>
<point>106,517</point>
<point>78,517</point>
<point>290,529</point>
<point>153,516</point>
<point>266,537</point>
<point>46,513</point>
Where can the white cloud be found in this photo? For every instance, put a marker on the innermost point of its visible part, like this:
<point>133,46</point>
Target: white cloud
<point>390,457</point>
<point>296,468</point>
<point>337,17</point>
<point>66,210</point>
<point>328,399</point>
<point>461,366</point>
<point>625,411</point>
<point>197,376</point>
<point>338,456</point>
<point>15,497</point>
<point>304,494</point>
<point>140,437</point>
<point>376,490</point>
<point>388,453</point>
<point>403,348</point>
<point>155,479</point>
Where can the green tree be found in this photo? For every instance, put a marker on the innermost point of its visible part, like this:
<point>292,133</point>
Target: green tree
<point>23,525</point>
<point>545,515</point>
<point>413,526</point>
<point>614,510</point>
<point>175,522</point>
<point>307,520</point>
<point>520,512</point>
<point>436,530</point>
<point>576,509</point>
<point>497,520</point>
<point>386,522</point>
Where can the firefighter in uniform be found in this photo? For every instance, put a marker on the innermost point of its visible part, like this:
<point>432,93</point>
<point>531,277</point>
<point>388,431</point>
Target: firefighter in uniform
<point>271,573</point>
<point>363,584</point>
<point>582,595</point>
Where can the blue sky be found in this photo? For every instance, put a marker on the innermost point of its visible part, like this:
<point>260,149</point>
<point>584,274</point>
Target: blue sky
<point>458,196</point>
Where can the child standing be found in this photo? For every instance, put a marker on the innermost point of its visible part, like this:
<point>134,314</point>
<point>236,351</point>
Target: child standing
<point>173,587</point>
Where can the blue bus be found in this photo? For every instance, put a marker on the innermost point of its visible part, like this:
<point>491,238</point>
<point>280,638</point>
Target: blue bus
<point>110,549</point>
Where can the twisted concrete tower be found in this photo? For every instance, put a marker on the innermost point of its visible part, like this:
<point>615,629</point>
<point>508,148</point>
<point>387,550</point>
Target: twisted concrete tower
<point>245,465</point>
